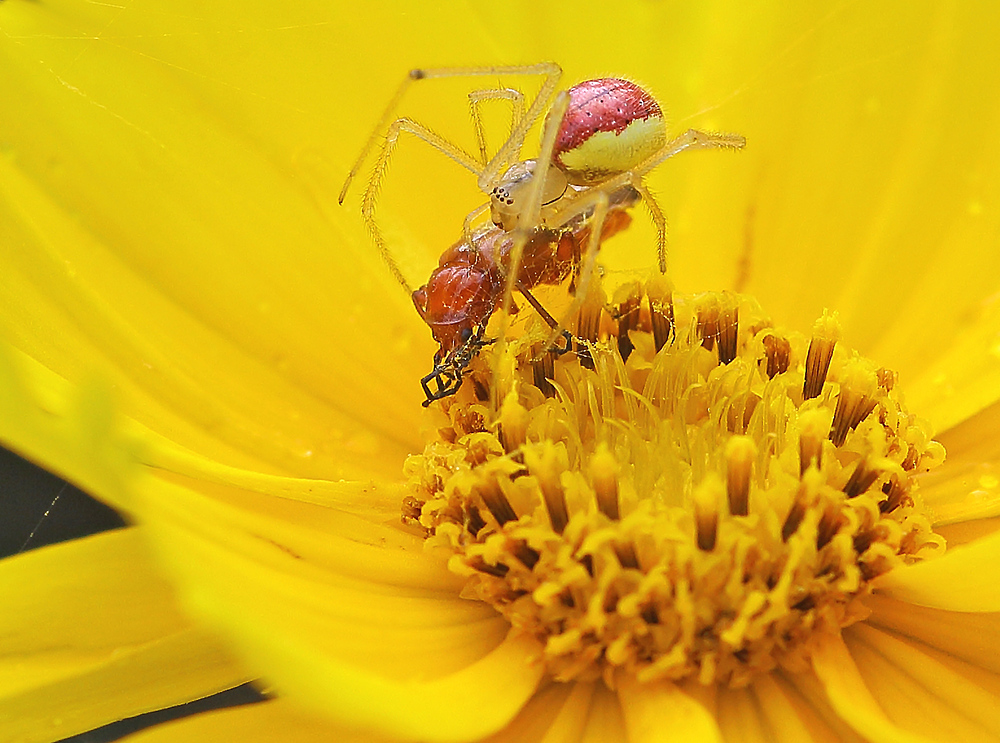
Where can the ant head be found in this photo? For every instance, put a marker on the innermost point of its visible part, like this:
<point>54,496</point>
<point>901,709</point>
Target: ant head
<point>508,197</point>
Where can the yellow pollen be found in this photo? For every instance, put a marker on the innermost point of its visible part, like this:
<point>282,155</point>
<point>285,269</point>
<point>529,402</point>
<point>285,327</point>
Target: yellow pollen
<point>692,494</point>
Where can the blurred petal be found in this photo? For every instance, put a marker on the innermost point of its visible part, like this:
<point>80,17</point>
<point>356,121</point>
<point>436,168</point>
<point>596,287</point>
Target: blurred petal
<point>920,692</point>
<point>967,486</point>
<point>91,634</point>
<point>604,722</point>
<point>973,637</point>
<point>789,717</point>
<point>740,718</point>
<point>556,714</point>
<point>646,706</point>
<point>184,295</point>
<point>963,579</point>
<point>850,697</point>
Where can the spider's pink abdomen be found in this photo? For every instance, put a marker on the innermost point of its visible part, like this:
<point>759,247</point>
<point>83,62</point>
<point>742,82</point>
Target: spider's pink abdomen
<point>610,127</point>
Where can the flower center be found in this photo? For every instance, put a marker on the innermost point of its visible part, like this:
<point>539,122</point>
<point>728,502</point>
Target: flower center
<point>695,494</point>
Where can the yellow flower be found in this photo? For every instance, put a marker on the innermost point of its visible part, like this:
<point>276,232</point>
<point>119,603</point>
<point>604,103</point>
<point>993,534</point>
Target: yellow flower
<point>181,291</point>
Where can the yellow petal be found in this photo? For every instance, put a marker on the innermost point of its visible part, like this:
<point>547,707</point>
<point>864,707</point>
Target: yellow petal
<point>451,708</point>
<point>71,431</point>
<point>967,486</point>
<point>789,717</point>
<point>919,690</point>
<point>850,697</point>
<point>189,383</point>
<point>973,637</point>
<point>556,714</point>
<point>647,708</point>
<point>806,688</point>
<point>397,658</point>
<point>963,579</point>
<point>92,635</point>
<point>604,721</point>
<point>740,717</point>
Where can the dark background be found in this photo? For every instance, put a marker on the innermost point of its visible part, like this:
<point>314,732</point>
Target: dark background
<point>36,509</point>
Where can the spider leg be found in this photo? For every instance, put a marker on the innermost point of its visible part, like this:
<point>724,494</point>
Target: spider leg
<point>510,151</point>
<point>658,219</point>
<point>531,218</point>
<point>692,139</point>
<point>597,201</point>
<point>557,330</point>
<point>548,69</point>
<point>477,97</point>
<point>370,197</point>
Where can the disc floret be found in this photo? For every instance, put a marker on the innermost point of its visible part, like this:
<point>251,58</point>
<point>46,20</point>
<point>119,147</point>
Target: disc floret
<point>697,495</point>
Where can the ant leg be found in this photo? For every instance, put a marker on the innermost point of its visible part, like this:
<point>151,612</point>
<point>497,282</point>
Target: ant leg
<point>557,330</point>
<point>477,97</point>
<point>589,260</point>
<point>370,196</point>
<point>692,139</point>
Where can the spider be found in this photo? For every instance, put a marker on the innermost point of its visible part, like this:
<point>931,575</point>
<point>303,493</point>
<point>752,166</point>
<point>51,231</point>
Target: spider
<point>599,136</point>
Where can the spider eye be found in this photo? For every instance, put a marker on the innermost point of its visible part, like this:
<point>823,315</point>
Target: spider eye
<point>466,334</point>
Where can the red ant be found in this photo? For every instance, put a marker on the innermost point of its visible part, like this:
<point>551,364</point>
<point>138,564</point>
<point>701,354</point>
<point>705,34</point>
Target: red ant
<point>470,281</point>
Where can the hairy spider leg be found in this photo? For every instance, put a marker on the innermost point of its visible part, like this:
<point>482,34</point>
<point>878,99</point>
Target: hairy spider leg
<point>478,97</point>
<point>370,196</point>
<point>587,263</point>
<point>587,199</point>
<point>533,209</point>
<point>486,172</point>
<point>549,70</point>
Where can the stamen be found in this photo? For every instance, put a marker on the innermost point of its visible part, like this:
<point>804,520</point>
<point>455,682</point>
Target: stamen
<point>661,310</point>
<point>826,332</point>
<point>894,492</point>
<point>588,322</point>
<point>778,351</point>
<point>728,332</point>
<point>854,403</point>
<point>740,453</point>
<point>627,313</point>
<point>543,369</point>
<point>513,428</point>
<point>805,497</point>
<point>813,424</point>
<point>708,322</point>
<point>496,502</point>
<point>547,463</point>
<point>862,478</point>
<point>706,511</point>
<point>829,525</point>
<point>604,476</point>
